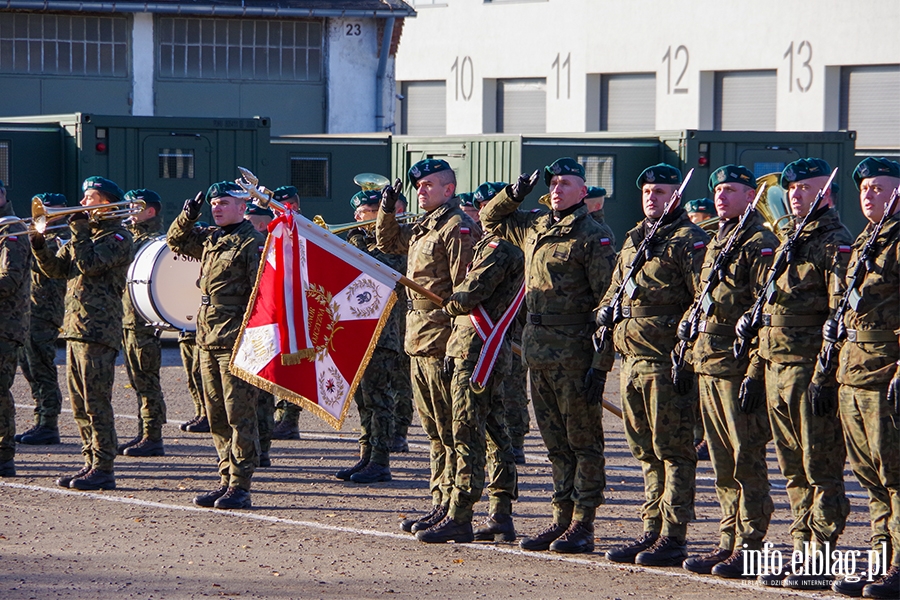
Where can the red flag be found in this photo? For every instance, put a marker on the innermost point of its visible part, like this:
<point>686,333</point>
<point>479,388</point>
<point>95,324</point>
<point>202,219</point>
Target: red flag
<point>315,315</point>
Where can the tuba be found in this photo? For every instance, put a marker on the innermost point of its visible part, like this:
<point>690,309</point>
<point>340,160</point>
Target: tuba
<point>772,206</point>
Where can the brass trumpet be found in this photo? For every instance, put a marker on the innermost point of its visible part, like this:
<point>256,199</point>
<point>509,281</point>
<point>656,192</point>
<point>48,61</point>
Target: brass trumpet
<point>41,215</point>
<point>342,227</point>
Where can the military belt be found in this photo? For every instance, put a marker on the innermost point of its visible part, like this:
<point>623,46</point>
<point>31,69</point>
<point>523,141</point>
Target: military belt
<point>551,320</point>
<point>223,300</point>
<point>630,312</point>
<point>716,328</point>
<point>793,320</point>
<point>421,305</point>
<point>873,335</point>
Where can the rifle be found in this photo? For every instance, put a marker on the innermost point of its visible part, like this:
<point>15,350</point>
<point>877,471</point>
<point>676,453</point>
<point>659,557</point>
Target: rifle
<point>703,302</point>
<point>642,255</point>
<point>782,259</point>
<point>850,295</point>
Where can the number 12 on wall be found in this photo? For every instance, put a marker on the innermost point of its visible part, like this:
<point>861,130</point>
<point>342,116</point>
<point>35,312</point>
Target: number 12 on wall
<point>669,58</point>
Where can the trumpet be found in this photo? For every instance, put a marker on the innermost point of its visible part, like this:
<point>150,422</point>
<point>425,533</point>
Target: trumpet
<point>342,227</point>
<point>41,215</point>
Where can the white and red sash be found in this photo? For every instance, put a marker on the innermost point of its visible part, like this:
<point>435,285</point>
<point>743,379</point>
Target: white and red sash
<point>492,335</point>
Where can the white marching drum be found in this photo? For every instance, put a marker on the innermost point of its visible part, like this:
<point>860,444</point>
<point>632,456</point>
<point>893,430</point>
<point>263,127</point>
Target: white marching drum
<point>163,287</point>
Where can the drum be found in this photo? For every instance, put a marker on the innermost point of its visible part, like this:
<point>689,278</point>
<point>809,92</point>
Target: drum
<point>163,287</point>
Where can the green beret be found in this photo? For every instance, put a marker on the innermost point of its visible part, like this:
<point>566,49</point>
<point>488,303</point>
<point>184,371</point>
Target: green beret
<point>804,168</point>
<point>226,188</point>
<point>563,166</point>
<point>283,193</point>
<point>465,199</point>
<point>256,210</point>
<point>426,167</point>
<point>365,197</point>
<point>487,190</point>
<point>101,184</point>
<point>875,167</point>
<point>703,205</point>
<point>149,197</point>
<point>595,192</point>
<point>50,199</point>
<point>661,173</point>
<point>732,174</point>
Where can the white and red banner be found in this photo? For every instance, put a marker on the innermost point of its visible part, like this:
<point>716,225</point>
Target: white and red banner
<point>492,335</point>
<point>316,312</point>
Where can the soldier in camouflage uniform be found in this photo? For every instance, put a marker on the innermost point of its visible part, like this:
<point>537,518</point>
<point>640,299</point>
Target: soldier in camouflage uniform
<point>140,342</point>
<point>37,358</point>
<point>699,210</point>
<point>659,415</point>
<point>867,368</point>
<point>567,270</point>
<point>810,448</point>
<point>403,394</point>
<point>229,255</point>
<point>486,296</point>
<point>96,263</point>
<point>15,305</point>
<point>439,246</point>
<point>737,435</point>
<point>190,361</point>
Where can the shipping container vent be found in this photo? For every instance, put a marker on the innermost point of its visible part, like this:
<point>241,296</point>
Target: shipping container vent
<point>175,163</point>
<point>4,162</point>
<point>599,171</point>
<point>309,174</point>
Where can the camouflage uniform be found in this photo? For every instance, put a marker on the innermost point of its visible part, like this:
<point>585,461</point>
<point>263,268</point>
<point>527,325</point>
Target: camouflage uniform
<point>265,419</point>
<point>37,358</point>
<point>737,440</point>
<point>493,282</point>
<point>403,394</point>
<point>605,230</point>
<point>143,349</point>
<point>439,248</point>
<point>513,391</point>
<point>810,449</point>
<point>659,423</point>
<point>190,360</point>
<point>15,294</point>
<point>229,261</point>
<point>567,271</point>
<point>96,263</point>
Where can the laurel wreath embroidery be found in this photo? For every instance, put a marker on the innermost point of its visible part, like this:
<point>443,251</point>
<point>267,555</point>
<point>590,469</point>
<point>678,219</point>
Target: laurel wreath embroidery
<point>324,297</point>
<point>367,294</point>
<point>332,388</point>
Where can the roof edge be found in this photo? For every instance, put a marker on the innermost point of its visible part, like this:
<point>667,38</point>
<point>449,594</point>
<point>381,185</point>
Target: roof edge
<point>183,8</point>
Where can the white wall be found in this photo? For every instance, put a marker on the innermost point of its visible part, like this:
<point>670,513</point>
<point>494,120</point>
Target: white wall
<point>143,52</point>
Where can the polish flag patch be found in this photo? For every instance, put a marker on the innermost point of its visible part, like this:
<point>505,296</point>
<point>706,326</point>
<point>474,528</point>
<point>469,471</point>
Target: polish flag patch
<point>605,242</point>
<point>699,245</point>
<point>845,249</point>
<point>766,252</point>
<point>536,210</point>
<point>493,244</point>
<point>119,237</point>
<point>260,249</point>
<point>13,238</point>
<point>464,230</point>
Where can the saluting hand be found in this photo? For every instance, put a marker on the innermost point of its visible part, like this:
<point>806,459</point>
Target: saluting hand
<point>389,196</point>
<point>524,185</point>
<point>193,205</point>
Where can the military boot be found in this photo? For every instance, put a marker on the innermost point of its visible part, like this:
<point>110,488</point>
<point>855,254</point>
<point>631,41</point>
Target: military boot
<point>430,520</point>
<point>496,527</point>
<point>407,523</point>
<point>208,500</point>
<point>65,480</point>
<point>95,479</point>
<point>201,425</point>
<point>41,435</point>
<point>184,426</point>
<point>544,538</point>
<point>146,447</point>
<point>234,498</point>
<point>286,430</point>
<point>120,449</point>
<point>665,552</point>
<point>265,460</point>
<point>578,538</point>
<point>626,554</point>
<point>364,455</point>
<point>8,468</point>
<point>372,473</point>
<point>448,530</point>
<point>853,589</point>
<point>733,567</point>
<point>18,437</point>
<point>703,564</point>
<point>886,587</point>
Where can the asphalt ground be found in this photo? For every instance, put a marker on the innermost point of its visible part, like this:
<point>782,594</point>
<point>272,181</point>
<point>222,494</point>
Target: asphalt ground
<point>310,535</point>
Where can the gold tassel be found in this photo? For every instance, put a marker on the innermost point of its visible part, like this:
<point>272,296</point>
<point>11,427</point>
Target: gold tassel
<point>288,360</point>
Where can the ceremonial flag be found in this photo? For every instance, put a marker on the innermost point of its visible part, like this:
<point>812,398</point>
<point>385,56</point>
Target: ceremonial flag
<point>314,318</point>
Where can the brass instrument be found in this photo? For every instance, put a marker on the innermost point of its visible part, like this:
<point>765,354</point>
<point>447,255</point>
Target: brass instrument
<point>371,181</point>
<point>41,215</point>
<point>342,227</point>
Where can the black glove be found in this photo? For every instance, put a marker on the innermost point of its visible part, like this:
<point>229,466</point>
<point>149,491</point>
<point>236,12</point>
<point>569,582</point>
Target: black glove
<point>893,395</point>
<point>193,205</point>
<point>523,186</point>
<point>683,380</point>
<point>605,316</point>
<point>389,196</point>
<point>447,367</point>
<point>833,332</point>
<point>687,332</point>
<point>594,384</point>
<point>752,394</point>
<point>37,240</point>
<point>746,326</point>
<point>78,216</point>
<point>823,399</point>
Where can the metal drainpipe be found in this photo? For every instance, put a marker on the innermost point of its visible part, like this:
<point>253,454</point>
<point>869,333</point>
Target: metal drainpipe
<point>379,74</point>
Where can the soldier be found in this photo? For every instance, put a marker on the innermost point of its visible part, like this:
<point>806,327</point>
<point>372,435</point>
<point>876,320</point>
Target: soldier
<point>374,396</point>
<point>869,374</point>
<point>190,361</point>
<point>467,204</point>
<point>15,294</point>
<point>400,383</point>
<point>140,342</point>
<point>488,299</point>
<point>37,358</point>
<point>567,270</point>
<point>810,448</point>
<point>229,255</point>
<point>439,246</point>
<point>699,210</point>
<point>737,435</point>
<point>595,201</point>
<point>287,194</point>
<point>659,415</point>
<point>96,263</point>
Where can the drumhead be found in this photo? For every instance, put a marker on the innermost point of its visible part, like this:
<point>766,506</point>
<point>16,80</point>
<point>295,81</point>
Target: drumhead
<point>163,286</point>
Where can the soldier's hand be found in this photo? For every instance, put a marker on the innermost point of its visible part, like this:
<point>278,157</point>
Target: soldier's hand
<point>893,394</point>
<point>389,196</point>
<point>752,394</point>
<point>447,367</point>
<point>523,186</point>
<point>193,205</point>
<point>37,240</point>
<point>823,399</point>
<point>605,316</point>
<point>683,380</point>
<point>78,216</point>
<point>594,384</point>
<point>687,332</point>
<point>833,332</point>
<point>746,326</point>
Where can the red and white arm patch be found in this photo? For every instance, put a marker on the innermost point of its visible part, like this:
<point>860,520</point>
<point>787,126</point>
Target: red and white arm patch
<point>766,252</point>
<point>699,245</point>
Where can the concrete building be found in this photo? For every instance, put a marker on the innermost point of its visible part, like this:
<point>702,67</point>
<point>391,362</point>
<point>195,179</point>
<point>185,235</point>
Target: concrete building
<point>567,66</point>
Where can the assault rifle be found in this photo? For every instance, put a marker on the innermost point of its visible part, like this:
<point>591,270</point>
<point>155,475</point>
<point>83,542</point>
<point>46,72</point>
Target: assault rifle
<point>784,257</point>
<point>687,329</point>
<point>850,295</point>
<point>642,255</point>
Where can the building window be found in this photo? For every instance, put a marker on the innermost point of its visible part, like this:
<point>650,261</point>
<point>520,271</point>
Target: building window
<point>628,102</point>
<point>599,170</point>
<point>309,174</point>
<point>4,162</point>
<point>869,105</point>
<point>522,105</point>
<point>63,45</point>
<point>175,163</point>
<point>262,50</point>
<point>745,101</point>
